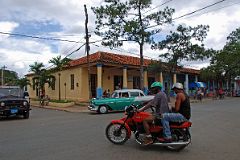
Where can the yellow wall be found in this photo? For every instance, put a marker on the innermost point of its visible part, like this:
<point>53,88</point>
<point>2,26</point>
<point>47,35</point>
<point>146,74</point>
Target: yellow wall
<point>80,92</point>
<point>108,77</point>
<point>32,93</point>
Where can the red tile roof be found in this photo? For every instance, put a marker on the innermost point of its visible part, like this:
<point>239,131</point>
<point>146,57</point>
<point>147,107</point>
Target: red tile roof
<point>110,58</point>
<point>105,57</point>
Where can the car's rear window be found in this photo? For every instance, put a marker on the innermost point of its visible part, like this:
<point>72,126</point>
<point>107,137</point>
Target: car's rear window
<point>124,94</point>
<point>134,94</point>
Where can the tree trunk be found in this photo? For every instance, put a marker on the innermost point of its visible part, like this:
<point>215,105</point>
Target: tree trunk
<point>141,67</point>
<point>141,42</point>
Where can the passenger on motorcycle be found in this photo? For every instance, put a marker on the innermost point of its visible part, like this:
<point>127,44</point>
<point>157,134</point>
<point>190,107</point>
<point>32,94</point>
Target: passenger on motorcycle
<point>181,112</point>
<point>160,103</point>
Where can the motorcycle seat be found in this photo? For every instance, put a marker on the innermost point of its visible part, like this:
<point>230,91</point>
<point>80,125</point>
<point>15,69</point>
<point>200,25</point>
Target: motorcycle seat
<point>158,122</point>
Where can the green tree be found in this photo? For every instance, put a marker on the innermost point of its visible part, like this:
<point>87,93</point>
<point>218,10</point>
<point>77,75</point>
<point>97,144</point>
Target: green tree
<point>59,63</point>
<point>36,68</point>
<point>9,77</point>
<point>118,21</point>
<point>234,37</point>
<point>227,62</point>
<point>227,59</point>
<point>41,76</point>
<point>22,82</point>
<point>180,46</point>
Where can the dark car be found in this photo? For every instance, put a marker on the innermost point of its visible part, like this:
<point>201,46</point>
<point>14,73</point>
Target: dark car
<point>13,102</point>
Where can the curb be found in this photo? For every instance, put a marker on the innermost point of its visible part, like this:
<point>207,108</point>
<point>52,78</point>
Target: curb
<point>63,109</point>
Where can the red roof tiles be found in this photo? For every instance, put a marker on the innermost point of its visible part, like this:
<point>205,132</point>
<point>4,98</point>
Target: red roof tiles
<point>110,58</point>
<point>105,57</point>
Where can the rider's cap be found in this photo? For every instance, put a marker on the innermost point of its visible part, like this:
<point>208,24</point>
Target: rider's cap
<point>156,84</point>
<point>177,85</point>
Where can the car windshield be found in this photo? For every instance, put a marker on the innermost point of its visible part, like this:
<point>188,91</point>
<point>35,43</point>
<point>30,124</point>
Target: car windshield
<point>10,92</point>
<point>114,95</point>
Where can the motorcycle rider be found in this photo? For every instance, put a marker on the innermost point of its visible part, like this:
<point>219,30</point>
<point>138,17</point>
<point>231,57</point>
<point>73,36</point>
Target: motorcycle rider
<point>160,103</point>
<point>182,112</point>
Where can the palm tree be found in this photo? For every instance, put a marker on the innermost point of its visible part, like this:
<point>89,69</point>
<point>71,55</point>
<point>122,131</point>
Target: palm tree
<point>41,76</point>
<point>23,82</point>
<point>36,68</point>
<point>59,63</point>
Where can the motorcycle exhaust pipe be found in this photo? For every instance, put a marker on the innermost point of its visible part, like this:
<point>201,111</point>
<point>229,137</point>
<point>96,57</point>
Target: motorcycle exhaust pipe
<point>173,143</point>
<point>168,144</point>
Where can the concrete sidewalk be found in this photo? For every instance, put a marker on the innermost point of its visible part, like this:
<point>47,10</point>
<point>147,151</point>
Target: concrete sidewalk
<point>74,108</point>
<point>84,108</point>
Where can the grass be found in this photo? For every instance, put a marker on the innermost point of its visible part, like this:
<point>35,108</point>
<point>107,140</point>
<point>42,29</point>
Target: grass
<point>53,100</point>
<point>59,101</point>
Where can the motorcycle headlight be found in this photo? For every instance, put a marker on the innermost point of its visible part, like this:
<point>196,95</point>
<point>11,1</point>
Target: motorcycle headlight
<point>25,103</point>
<point>2,104</point>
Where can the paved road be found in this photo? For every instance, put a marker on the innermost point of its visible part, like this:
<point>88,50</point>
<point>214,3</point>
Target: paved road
<point>57,135</point>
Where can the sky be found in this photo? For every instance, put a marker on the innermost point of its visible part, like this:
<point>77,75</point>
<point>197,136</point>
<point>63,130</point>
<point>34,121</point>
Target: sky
<point>64,20</point>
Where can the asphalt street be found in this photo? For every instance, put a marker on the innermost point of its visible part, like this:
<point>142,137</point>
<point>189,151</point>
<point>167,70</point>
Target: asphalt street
<point>59,135</point>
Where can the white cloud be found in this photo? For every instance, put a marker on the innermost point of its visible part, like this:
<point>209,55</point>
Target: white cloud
<point>7,27</point>
<point>18,53</point>
<point>21,53</point>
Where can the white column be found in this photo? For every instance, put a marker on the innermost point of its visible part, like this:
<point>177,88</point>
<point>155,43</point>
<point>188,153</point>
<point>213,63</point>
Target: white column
<point>186,83</point>
<point>161,77</point>
<point>125,77</point>
<point>196,78</point>
<point>99,81</point>
<point>174,78</point>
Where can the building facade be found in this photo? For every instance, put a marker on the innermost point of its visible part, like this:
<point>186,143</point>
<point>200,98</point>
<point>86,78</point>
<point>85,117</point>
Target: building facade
<point>108,71</point>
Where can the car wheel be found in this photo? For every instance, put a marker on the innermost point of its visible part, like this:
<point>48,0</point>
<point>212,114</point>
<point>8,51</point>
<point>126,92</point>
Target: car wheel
<point>103,109</point>
<point>26,115</point>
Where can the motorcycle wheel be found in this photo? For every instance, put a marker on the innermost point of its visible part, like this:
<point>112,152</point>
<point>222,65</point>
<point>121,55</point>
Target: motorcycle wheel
<point>178,136</point>
<point>115,135</point>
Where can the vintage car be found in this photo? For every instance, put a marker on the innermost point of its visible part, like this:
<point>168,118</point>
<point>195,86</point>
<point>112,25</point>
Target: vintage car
<point>118,100</point>
<point>13,102</point>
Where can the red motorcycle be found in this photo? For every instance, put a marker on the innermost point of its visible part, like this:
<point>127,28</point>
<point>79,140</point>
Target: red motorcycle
<point>119,131</point>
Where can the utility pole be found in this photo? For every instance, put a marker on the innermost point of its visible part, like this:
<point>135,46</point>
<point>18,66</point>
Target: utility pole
<point>87,50</point>
<point>3,68</point>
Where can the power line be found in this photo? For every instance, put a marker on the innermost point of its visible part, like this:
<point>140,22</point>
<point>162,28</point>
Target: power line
<point>75,50</point>
<point>157,6</point>
<point>199,10</point>
<point>69,54</point>
<point>190,13</point>
<point>215,9</point>
<point>38,37</point>
<point>68,50</point>
<point>45,38</point>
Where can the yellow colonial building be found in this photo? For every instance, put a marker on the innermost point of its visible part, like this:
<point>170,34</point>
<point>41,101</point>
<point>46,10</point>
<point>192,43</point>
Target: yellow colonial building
<point>108,71</point>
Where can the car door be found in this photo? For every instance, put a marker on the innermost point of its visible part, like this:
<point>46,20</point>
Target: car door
<point>135,95</point>
<point>123,100</point>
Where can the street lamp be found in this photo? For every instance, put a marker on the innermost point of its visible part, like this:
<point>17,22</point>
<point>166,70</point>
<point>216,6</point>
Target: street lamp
<point>59,86</point>
<point>65,89</point>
